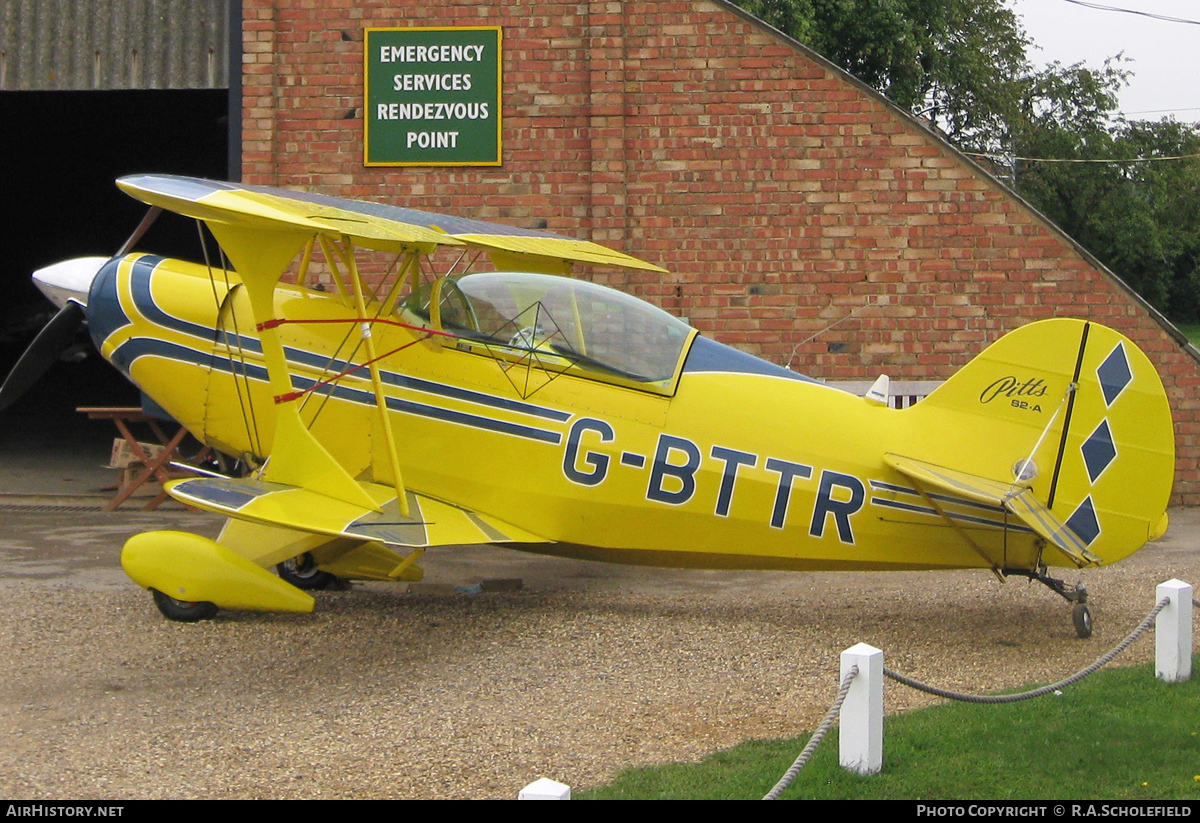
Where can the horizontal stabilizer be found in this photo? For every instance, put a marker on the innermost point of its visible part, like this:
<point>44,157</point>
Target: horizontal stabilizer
<point>1016,498</point>
<point>430,522</point>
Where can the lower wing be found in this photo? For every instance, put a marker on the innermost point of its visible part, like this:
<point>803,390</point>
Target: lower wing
<point>430,522</point>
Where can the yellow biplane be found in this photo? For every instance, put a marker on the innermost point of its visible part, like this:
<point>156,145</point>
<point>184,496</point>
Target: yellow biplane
<point>518,406</point>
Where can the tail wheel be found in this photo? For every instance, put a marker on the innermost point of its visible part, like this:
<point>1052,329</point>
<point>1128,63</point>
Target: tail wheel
<point>1082,618</point>
<point>1077,594</point>
<point>302,572</point>
<point>184,611</point>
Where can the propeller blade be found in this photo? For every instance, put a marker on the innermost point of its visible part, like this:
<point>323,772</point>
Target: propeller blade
<point>51,341</point>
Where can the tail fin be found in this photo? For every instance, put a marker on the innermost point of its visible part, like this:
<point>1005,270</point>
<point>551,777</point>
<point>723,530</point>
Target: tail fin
<point>1071,409</point>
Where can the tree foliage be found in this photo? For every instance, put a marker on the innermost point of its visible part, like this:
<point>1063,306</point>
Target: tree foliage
<point>963,65</point>
<point>957,62</point>
<point>1131,205</point>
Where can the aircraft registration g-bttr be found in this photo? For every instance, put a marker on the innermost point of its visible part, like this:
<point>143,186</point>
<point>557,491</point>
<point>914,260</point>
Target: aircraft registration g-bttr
<point>525,408</point>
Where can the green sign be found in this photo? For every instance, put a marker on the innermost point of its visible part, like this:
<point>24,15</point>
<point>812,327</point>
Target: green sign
<point>432,97</point>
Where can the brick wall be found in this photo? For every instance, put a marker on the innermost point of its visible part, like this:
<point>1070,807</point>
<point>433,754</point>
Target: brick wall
<point>782,195</point>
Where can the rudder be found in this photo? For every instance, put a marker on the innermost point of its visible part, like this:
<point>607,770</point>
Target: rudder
<point>1101,458</point>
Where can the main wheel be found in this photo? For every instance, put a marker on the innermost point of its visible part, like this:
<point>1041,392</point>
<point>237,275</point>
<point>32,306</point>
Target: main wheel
<point>183,611</point>
<point>1083,620</point>
<point>302,572</point>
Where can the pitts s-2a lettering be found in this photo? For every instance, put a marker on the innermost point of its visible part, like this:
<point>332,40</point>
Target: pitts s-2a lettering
<point>525,408</point>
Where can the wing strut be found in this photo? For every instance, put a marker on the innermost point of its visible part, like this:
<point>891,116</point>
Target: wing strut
<point>331,258</point>
<point>297,458</point>
<point>141,229</point>
<point>376,380</point>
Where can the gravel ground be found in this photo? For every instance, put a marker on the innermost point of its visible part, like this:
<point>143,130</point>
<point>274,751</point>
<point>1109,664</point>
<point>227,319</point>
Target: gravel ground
<point>586,670</point>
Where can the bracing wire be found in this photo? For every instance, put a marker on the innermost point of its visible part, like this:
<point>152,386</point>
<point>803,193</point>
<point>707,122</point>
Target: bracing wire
<point>249,421</point>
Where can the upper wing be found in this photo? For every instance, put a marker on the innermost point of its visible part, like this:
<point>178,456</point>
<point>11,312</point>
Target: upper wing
<point>371,225</point>
<point>263,229</point>
<point>430,522</point>
<point>1017,499</point>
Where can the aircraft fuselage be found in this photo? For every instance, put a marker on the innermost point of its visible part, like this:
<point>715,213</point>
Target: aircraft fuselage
<point>738,464</point>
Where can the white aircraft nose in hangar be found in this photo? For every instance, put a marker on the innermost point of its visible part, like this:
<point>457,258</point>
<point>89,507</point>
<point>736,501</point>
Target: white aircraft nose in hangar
<point>68,280</point>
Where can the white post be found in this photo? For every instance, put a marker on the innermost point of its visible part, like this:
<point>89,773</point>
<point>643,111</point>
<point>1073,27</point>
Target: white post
<point>1173,633</point>
<point>545,789</point>
<point>861,735</point>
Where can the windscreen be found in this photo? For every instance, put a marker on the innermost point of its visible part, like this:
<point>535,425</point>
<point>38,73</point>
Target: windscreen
<point>596,327</point>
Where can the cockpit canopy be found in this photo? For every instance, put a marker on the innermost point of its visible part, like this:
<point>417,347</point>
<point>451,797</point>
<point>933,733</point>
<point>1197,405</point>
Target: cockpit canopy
<point>600,330</point>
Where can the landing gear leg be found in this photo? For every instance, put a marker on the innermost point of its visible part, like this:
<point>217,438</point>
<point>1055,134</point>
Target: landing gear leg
<point>302,572</point>
<point>1077,595</point>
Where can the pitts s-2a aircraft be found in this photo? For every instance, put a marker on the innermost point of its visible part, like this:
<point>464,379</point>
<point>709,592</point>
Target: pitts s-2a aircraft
<point>523,407</point>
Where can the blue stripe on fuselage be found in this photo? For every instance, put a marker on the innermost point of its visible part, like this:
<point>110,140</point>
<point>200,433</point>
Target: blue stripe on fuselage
<point>879,485</point>
<point>143,299</point>
<point>104,312</point>
<point>434,412</point>
<point>136,347</point>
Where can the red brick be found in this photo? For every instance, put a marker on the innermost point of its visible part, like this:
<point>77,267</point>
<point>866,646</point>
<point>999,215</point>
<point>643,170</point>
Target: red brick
<point>682,133</point>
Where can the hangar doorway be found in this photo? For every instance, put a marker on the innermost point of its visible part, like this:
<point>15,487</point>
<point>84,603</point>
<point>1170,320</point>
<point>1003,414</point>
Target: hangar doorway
<point>63,150</point>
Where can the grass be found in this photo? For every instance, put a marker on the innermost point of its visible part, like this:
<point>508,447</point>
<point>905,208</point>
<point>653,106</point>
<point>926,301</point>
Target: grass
<point>1192,330</point>
<point>1120,734</point>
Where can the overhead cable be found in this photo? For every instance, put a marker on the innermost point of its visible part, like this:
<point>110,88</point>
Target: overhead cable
<point>1163,17</point>
<point>1000,158</point>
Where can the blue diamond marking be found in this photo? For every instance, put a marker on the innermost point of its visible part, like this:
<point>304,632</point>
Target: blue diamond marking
<point>1084,523</point>
<point>1098,451</point>
<point>1114,374</point>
